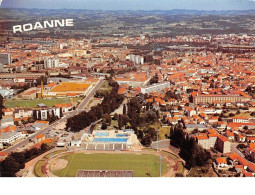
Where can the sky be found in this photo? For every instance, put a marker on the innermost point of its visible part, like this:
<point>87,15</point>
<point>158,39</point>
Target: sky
<point>132,4</point>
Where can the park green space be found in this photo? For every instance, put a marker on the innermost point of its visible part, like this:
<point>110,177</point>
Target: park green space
<point>143,165</point>
<point>105,87</point>
<point>162,130</point>
<point>35,102</point>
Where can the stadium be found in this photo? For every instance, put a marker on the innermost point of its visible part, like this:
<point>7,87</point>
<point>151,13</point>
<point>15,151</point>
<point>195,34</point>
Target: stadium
<point>130,163</point>
<point>120,164</point>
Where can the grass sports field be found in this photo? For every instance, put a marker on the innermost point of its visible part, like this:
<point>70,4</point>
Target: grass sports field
<point>33,103</point>
<point>144,165</point>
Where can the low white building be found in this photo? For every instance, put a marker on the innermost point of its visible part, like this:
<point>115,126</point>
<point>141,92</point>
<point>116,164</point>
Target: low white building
<point>10,137</point>
<point>155,87</point>
<point>238,119</point>
<point>5,122</point>
<point>23,112</point>
<point>76,143</point>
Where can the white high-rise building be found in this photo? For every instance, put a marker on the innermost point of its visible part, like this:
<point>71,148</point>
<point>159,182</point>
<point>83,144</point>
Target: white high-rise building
<point>51,63</point>
<point>136,59</point>
<point>5,59</point>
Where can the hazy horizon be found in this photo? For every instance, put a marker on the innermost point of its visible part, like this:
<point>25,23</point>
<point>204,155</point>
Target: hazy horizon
<point>146,5</point>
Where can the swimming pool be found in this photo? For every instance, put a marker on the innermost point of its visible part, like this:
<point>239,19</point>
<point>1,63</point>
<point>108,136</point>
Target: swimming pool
<point>115,140</point>
<point>122,135</point>
<point>102,134</point>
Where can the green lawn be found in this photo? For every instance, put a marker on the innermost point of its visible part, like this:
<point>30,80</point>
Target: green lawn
<point>33,103</point>
<point>144,165</point>
<point>76,99</point>
<point>38,168</point>
<point>162,130</point>
<point>106,87</point>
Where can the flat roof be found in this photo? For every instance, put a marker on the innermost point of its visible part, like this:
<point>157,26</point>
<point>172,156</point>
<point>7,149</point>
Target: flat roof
<point>8,135</point>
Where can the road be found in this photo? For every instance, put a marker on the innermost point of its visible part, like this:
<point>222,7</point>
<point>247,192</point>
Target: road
<point>63,119</point>
<point>235,150</point>
<point>86,100</point>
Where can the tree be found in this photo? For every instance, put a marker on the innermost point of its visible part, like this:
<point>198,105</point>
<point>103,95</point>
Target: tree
<point>1,106</point>
<point>104,125</point>
<point>19,157</point>
<point>115,116</point>
<point>190,151</point>
<point>34,115</point>
<point>16,161</point>
<point>231,115</point>
<point>44,147</point>
<point>125,119</point>
<point>10,166</point>
<point>41,79</point>
<point>52,113</point>
<point>31,120</point>
<point>61,112</point>
<point>48,116</point>
<point>39,115</point>
<point>241,146</point>
<point>124,109</point>
<point>107,118</point>
<point>179,61</point>
<point>34,151</point>
<point>154,79</point>
<point>111,102</point>
<point>120,121</point>
<point>149,135</point>
<point>195,131</point>
<point>245,127</point>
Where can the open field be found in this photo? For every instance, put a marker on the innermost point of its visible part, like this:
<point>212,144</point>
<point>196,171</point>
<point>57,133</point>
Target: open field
<point>33,103</point>
<point>144,165</point>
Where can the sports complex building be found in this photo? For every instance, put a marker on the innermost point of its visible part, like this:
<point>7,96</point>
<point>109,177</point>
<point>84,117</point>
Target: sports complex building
<point>109,140</point>
<point>66,89</point>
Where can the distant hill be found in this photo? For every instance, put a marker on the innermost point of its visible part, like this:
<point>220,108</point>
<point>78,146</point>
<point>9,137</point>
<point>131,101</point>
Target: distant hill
<point>49,12</point>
